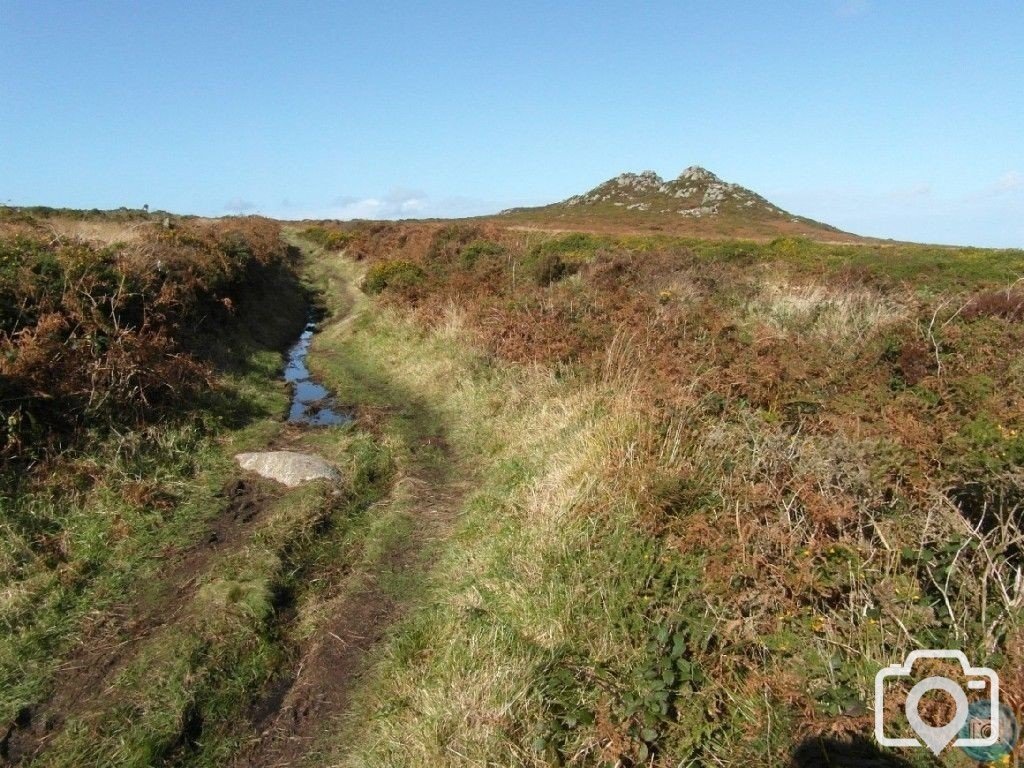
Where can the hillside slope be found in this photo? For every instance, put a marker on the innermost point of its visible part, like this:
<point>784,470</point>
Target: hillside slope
<point>696,203</point>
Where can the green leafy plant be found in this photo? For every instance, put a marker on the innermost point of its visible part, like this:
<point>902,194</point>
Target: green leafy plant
<point>479,249</point>
<point>329,239</point>
<point>394,273</point>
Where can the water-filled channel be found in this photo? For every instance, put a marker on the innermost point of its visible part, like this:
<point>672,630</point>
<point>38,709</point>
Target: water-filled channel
<point>312,403</point>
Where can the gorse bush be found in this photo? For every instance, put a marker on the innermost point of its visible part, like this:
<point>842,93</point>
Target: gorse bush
<point>327,238</point>
<point>394,273</point>
<point>95,336</point>
<point>479,249</point>
<point>578,243</point>
<point>791,247</point>
<point>549,268</point>
<point>552,260</point>
<point>449,241</point>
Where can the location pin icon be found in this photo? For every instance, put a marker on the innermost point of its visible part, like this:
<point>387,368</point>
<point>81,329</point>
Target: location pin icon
<point>936,739</point>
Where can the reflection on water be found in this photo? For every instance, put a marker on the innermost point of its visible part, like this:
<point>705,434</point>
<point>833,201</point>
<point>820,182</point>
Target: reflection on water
<point>311,402</point>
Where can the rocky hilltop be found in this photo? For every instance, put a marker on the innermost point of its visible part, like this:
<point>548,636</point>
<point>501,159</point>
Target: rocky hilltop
<point>696,202</point>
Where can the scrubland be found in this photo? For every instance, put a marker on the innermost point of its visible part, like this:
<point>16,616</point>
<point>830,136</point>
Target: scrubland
<point>607,499</point>
<point>720,485</point>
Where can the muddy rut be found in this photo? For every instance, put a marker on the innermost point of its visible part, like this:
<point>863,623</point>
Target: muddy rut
<point>284,724</point>
<point>316,692</point>
<point>109,642</point>
<point>319,689</point>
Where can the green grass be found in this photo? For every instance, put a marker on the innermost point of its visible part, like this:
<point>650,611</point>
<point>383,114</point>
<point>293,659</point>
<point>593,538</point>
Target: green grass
<point>541,615</point>
<point>216,658</point>
<point>623,584</point>
<point>105,543</point>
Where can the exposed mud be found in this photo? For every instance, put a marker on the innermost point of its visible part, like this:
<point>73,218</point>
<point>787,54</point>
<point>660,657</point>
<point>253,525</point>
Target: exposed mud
<point>297,706</point>
<point>108,641</point>
<point>295,709</point>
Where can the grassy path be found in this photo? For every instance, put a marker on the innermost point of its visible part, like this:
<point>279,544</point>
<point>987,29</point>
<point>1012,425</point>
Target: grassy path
<point>399,539</point>
<point>242,644</point>
<point>478,590</point>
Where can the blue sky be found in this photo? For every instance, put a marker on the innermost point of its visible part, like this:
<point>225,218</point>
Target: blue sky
<point>900,119</point>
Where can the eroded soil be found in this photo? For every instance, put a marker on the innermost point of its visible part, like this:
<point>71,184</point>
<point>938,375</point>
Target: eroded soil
<point>315,689</point>
<point>108,641</point>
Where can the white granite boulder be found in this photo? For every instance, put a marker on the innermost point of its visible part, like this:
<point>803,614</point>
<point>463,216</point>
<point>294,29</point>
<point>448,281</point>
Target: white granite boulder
<point>288,467</point>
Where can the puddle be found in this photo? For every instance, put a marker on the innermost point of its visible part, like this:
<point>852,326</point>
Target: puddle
<point>312,403</point>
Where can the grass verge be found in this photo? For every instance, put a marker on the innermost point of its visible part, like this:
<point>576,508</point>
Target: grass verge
<point>552,625</point>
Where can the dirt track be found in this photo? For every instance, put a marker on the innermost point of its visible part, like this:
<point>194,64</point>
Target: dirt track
<point>109,643</point>
<point>315,690</point>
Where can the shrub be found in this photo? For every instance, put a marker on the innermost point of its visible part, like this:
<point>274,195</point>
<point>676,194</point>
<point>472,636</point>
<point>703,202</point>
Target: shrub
<point>550,261</point>
<point>328,239</point>
<point>578,243</point>
<point>1008,305</point>
<point>392,273</point>
<point>448,242</point>
<point>739,251</point>
<point>914,361</point>
<point>101,336</point>
<point>549,268</point>
<point>792,247</point>
<point>478,249</point>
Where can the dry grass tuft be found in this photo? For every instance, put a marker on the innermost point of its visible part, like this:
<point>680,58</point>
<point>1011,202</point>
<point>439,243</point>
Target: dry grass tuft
<point>835,314</point>
<point>100,232</point>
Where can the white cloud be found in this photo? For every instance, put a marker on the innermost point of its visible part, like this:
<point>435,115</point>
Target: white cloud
<point>1011,181</point>
<point>1007,186</point>
<point>915,192</point>
<point>849,8</point>
<point>399,203</point>
<point>239,205</point>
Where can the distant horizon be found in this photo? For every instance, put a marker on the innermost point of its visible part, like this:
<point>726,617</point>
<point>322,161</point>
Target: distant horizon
<point>875,118</point>
<point>489,214</point>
